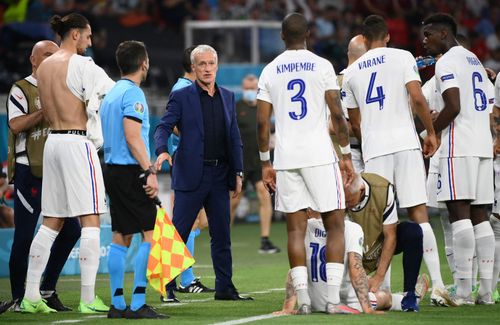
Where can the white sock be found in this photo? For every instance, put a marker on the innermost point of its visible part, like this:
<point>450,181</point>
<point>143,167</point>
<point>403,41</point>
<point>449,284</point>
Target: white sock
<point>431,255</point>
<point>485,248</point>
<point>448,241</point>
<point>90,252</point>
<point>299,281</point>
<point>38,258</point>
<point>396,302</point>
<point>495,225</point>
<point>334,274</point>
<point>475,267</point>
<point>463,247</point>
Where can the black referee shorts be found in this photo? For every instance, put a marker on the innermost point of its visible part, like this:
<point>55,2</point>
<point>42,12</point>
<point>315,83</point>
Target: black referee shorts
<point>132,211</point>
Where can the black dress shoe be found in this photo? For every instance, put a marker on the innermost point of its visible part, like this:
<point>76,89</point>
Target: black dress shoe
<point>230,295</point>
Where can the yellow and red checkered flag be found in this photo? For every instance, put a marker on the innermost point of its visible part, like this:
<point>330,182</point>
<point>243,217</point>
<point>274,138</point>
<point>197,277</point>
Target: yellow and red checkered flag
<point>169,255</point>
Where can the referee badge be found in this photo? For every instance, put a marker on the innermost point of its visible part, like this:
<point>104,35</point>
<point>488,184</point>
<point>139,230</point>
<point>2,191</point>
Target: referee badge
<point>139,108</point>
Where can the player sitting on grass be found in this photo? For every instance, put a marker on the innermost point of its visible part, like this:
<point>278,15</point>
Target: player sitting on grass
<point>354,287</point>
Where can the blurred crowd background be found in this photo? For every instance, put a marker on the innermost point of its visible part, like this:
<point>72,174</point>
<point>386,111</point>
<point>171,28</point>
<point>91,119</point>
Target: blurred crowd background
<point>161,25</point>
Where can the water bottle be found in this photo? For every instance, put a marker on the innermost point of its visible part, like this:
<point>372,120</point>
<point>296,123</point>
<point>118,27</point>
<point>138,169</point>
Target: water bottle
<point>426,61</point>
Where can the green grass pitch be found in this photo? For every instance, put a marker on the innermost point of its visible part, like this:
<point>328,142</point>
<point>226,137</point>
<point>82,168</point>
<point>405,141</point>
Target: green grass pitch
<point>261,276</point>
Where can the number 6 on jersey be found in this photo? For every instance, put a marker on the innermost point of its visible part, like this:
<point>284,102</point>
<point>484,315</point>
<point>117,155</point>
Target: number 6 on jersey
<point>298,98</point>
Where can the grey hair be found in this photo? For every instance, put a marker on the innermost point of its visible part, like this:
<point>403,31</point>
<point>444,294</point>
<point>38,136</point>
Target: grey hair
<point>203,48</point>
<point>356,184</point>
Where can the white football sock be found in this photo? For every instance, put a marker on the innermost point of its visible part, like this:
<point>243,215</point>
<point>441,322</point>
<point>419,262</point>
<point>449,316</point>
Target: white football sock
<point>431,256</point>
<point>334,274</point>
<point>396,302</point>
<point>463,247</point>
<point>475,267</point>
<point>90,252</point>
<point>495,225</point>
<point>299,281</point>
<point>448,241</point>
<point>38,258</point>
<point>485,248</point>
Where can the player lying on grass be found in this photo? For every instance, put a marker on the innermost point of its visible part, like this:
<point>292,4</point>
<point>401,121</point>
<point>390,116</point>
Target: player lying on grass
<point>354,288</point>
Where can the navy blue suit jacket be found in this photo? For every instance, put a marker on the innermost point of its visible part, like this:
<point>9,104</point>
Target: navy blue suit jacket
<point>184,111</point>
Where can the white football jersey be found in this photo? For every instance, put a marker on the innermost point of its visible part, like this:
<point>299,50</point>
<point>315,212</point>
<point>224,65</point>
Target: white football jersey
<point>469,134</point>
<point>295,83</point>
<point>315,242</point>
<point>376,83</point>
<point>435,101</point>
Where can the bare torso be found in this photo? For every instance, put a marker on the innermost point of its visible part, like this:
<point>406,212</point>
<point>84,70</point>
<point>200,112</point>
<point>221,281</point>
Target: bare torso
<point>62,109</point>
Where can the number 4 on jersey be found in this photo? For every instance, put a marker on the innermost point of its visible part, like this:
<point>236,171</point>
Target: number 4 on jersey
<point>380,97</point>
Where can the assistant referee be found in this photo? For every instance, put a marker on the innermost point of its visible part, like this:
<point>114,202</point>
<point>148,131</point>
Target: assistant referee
<point>125,124</point>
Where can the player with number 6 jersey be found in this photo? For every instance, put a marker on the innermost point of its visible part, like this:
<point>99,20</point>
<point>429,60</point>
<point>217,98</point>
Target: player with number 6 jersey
<point>465,164</point>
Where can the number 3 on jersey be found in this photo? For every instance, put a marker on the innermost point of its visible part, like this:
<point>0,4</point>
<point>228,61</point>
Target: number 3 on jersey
<point>298,98</point>
<point>380,97</point>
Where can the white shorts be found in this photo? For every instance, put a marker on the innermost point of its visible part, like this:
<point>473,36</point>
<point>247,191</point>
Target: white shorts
<point>406,171</point>
<point>72,178</point>
<point>319,188</point>
<point>496,203</point>
<point>432,185</point>
<point>466,178</point>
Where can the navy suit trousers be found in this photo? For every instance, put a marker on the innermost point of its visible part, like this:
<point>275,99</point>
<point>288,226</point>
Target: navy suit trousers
<point>213,195</point>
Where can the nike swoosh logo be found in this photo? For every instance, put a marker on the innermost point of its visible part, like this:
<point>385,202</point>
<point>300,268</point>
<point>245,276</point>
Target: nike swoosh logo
<point>19,97</point>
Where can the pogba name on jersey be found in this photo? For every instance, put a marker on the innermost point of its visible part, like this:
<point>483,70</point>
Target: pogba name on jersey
<point>371,62</point>
<point>295,67</point>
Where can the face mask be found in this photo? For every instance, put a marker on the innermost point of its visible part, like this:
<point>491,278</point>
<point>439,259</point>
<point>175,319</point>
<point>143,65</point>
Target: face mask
<point>250,95</point>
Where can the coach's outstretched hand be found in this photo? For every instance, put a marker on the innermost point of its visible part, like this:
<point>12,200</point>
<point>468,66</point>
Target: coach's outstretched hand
<point>161,158</point>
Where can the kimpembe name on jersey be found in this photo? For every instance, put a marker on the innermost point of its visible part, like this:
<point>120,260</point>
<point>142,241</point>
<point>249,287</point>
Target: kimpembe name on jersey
<point>371,62</point>
<point>295,67</point>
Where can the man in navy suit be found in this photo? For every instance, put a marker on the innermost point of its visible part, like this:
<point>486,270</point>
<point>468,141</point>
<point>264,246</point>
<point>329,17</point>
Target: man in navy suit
<point>208,162</point>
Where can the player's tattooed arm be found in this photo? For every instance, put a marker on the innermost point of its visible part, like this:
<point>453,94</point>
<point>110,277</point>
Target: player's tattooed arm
<point>359,280</point>
<point>496,129</point>
<point>290,298</point>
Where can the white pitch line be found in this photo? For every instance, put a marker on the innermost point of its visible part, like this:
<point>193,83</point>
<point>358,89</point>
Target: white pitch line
<point>67,321</point>
<point>248,319</point>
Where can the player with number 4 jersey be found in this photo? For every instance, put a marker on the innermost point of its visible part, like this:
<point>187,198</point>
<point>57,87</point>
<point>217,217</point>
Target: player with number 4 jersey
<point>381,88</point>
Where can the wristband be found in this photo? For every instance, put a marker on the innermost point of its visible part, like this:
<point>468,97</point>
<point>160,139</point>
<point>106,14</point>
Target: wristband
<point>423,134</point>
<point>345,150</point>
<point>264,156</point>
<point>151,170</point>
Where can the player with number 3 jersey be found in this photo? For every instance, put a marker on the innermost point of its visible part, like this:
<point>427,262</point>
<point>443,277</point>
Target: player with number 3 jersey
<point>302,88</point>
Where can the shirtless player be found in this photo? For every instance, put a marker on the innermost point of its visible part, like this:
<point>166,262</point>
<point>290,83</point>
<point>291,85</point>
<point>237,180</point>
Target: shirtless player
<point>73,184</point>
